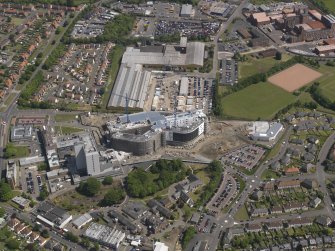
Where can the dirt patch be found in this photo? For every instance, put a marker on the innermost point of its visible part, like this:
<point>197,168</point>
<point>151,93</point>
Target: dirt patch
<point>294,77</point>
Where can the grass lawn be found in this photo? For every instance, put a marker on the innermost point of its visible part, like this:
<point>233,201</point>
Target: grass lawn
<point>261,100</point>
<point>327,81</point>
<point>77,203</point>
<point>65,117</point>
<point>17,21</point>
<point>330,4</point>
<point>67,129</point>
<point>254,65</point>
<point>16,151</point>
<point>242,214</point>
<point>10,99</point>
<point>269,174</point>
<point>114,68</point>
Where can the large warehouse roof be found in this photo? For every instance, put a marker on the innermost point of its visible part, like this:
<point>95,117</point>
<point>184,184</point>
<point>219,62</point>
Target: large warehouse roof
<point>132,81</point>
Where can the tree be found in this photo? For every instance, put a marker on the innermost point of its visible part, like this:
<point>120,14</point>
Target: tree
<point>42,167</point>
<point>90,187</point>
<point>5,191</point>
<point>45,233</point>
<point>12,38</point>
<point>85,243</point>
<point>278,55</point>
<point>113,196</point>
<point>36,228</point>
<point>2,212</point>
<point>187,236</point>
<point>9,19</point>
<point>108,180</point>
<point>71,237</point>
<point>12,244</point>
<point>43,193</point>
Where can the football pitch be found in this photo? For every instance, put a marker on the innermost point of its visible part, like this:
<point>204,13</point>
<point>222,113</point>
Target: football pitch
<point>259,101</point>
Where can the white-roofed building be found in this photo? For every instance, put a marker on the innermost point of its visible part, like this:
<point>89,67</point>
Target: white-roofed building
<point>264,131</point>
<point>186,10</point>
<point>160,246</point>
<point>82,220</point>
<point>110,237</point>
<point>183,89</point>
<point>132,80</point>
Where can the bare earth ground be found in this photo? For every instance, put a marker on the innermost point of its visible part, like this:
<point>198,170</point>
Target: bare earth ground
<point>294,77</point>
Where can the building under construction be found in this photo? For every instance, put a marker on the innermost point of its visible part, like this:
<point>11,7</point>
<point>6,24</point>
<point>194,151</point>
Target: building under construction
<point>146,132</point>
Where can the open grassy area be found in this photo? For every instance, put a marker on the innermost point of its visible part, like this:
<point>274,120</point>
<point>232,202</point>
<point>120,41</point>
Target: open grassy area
<point>330,4</point>
<point>17,21</point>
<point>327,81</point>
<point>65,117</point>
<point>114,68</point>
<point>67,129</point>
<point>269,174</point>
<point>254,65</point>
<point>78,203</point>
<point>16,151</point>
<point>242,214</point>
<point>261,100</point>
<point>10,99</point>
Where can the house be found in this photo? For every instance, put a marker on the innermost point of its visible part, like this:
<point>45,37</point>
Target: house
<point>289,118</point>
<point>288,184</point>
<point>297,141</point>
<point>195,218</point>
<point>300,114</point>
<point>319,241</point>
<point>251,228</point>
<point>166,202</point>
<point>274,225</point>
<point>285,160</point>
<point>299,222</point>
<point>311,148</point>
<point>307,167</point>
<point>21,202</point>
<point>259,212</point>
<point>276,210</point>
<point>275,166</point>
<point>303,243</point>
<point>293,152</point>
<point>26,232</point>
<point>308,183</point>
<point>308,157</point>
<point>312,242</point>
<point>156,205</point>
<point>33,237</point>
<point>323,220</point>
<point>268,186</point>
<point>313,140</point>
<point>19,228</point>
<point>292,171</point>
<point>315,202</point>
<point>186,198</point>
<point>294,206</point>
<point>327,240</point>
<point>257,195</point>
<point>232,232</point>
<point>12,223</point>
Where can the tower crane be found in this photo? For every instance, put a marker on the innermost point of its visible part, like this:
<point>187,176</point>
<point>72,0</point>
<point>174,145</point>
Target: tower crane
<point>127,102</point>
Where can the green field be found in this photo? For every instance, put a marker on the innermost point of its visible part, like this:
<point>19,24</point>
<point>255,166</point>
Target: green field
<point>254,65</point>
<point>327,81</point>
<point>67,129</point>
<point>330,4</point>
<point>65,117</point>
<point>261,100</point>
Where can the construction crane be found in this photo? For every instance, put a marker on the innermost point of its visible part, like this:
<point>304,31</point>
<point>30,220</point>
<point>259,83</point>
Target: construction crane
<point>127,103</point>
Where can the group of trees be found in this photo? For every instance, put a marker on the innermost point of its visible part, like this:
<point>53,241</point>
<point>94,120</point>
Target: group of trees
<point>163,173</point>
<point>52,59</point>
<point>6,192</point>
<point>30,90</point>
<point>44,193</point>
<point>90,187</point>
<point>187,236</point>
<point>298,104</point>
<point>214,169</point>
<point>113,196</point>
<point>321,99</point>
